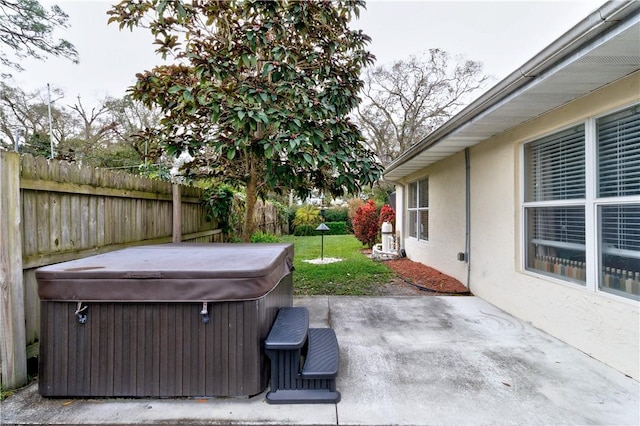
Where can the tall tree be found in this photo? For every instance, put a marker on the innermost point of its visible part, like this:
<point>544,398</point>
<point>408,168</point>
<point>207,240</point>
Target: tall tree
<point>26,30</point>
<point>26,113</point>
<point>94,129</point>
<point>406,100</point>
<point>260,92</point>
<point>105,135</point>
<point>131,118</point>
<point>100,136</point>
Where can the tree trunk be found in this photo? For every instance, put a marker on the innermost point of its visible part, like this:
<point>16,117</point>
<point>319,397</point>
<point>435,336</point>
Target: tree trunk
<point>250,203</point>
<point>252,193</point>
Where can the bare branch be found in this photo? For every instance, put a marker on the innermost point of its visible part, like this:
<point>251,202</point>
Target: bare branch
<point>413,97</point>
<point>26,30</point>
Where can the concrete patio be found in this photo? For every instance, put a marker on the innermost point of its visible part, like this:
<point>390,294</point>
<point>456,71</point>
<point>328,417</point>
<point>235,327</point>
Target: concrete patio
<point>404,360</point>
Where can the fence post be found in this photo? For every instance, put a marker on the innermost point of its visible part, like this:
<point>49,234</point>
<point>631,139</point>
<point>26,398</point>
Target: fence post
<point>177,213</point>
<point>13,351</point>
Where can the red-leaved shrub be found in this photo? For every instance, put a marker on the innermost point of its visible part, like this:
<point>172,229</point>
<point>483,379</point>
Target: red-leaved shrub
<point>365,223</point>
<point>387,214</point>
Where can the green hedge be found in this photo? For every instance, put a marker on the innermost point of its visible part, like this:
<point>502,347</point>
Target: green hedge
<point>335,228</point>
<point>304,230</point>
<point>336,214</point>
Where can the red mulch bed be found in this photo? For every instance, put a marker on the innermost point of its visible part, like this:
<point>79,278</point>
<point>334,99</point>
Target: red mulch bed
<point>425,277</point>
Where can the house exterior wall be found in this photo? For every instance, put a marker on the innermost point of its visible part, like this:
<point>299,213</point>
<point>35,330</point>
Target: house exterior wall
<point>446,212</point>
<point>602,325</point>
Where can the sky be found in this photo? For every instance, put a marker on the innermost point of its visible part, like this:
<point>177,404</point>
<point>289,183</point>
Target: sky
<point>503,35</point>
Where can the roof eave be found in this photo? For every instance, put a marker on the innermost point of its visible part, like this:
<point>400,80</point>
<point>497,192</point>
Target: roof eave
<point>585,32</point>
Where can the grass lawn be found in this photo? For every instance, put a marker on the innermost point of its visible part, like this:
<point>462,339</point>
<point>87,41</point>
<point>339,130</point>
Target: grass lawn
<point>355,275</point>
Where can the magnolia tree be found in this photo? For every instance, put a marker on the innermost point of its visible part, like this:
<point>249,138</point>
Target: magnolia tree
<point>259,92</point>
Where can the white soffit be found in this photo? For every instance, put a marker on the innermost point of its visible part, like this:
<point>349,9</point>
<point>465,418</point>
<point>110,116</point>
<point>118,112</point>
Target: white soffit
<point>606,60</point>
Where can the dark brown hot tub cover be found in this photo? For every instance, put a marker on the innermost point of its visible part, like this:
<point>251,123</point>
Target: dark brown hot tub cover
<point>169,272</point>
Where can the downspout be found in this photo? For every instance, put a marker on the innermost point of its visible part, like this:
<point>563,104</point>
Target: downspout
<point>467,235</point>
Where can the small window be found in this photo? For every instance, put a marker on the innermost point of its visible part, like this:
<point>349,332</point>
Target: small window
<point>418,210</point>
<point>555,181</point>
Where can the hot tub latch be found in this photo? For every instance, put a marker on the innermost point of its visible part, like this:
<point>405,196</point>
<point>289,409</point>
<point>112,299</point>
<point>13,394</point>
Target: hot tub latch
<point>204,313</point>
<point>82,317</point>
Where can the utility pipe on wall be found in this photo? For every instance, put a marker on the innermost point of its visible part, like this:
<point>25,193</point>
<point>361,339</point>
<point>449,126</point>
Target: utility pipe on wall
<point>467,235</point>
<point>50,121</point>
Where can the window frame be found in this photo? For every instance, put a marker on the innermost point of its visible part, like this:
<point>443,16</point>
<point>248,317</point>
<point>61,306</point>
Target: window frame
<point>417,210</point>
<point>593,206</point>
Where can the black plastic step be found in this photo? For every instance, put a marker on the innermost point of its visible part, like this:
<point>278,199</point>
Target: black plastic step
<point>289,330</point>
<point>291,341</point>
<point>323,355</point>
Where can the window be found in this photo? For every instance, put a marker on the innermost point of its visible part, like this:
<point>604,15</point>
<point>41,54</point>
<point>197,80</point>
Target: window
<point>555,195</point>
<point>618,215</point>
<point>568,204</point>
<point>619,154</point>
<point>418,210</point>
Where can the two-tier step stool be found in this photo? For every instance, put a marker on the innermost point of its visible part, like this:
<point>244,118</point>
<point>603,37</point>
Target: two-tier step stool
<point>304,361</point>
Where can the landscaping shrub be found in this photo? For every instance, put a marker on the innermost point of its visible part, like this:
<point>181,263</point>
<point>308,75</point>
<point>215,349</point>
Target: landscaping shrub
<point>283,215</point>
<point>304,230</point>
<point>387,214</point>
<point>352,206</point>
<point>292,216</point>
<point>336,228</point>
<point>336,214</point>
<point>264,237</point>
<point>365,223</point>
<point>307,215</point>
<point>219,200</point>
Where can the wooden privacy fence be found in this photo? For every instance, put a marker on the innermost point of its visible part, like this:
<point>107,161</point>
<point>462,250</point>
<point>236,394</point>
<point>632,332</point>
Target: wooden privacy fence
<point>52,211</point>
<point>267,219</point>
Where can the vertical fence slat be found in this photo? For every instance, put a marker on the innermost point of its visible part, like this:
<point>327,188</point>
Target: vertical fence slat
<point>13,342</point>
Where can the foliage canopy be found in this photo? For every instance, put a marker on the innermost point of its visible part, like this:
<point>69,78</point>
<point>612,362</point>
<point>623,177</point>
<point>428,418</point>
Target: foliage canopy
<point>26,30</point>
<point>259,92</point>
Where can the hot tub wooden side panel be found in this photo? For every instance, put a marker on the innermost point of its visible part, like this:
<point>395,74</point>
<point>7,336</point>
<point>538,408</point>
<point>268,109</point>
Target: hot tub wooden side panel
<point>158,349</point>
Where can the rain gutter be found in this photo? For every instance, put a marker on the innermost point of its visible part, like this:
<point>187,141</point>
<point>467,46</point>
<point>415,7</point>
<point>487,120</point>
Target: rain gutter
<point>587,30</point>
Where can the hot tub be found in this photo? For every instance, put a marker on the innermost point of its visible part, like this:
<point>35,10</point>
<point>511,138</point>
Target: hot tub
<point>162,321</point>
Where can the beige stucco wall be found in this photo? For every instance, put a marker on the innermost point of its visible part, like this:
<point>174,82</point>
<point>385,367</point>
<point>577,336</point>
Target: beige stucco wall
<point>446,211</point>
<point>601,325</point>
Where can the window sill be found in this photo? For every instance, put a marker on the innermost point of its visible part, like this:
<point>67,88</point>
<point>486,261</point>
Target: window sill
<point>582,287</point>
